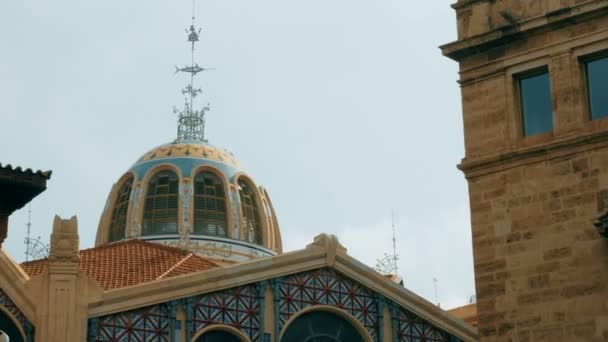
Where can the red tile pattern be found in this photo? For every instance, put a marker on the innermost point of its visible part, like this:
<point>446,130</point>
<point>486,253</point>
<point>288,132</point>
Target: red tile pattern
<point>131,262</point>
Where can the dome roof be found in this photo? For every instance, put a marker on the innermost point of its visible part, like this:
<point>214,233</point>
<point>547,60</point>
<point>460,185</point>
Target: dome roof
<point>195,196</point>
<point>187,157</point>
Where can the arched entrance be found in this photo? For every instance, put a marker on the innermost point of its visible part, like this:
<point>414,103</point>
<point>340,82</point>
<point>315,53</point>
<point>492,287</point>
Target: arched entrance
<point>220,334</point>
<point>321,326</point>
<point>9,328</point>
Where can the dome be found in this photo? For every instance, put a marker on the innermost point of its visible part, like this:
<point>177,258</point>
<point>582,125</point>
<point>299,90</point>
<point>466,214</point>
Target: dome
<point>194,196</point>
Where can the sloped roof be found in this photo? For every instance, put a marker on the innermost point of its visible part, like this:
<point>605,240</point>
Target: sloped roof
<point>467,313</point>
<point>131,262</point>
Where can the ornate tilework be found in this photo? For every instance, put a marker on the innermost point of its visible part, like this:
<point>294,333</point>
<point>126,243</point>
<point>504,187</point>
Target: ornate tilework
<point>238,307</point>
<point>411,328</point>
<point>9,305</point>
<point>327,287</point>
<point>149,324</point>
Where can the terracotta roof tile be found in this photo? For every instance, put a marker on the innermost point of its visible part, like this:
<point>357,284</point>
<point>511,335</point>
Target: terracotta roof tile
<point>131,262</point>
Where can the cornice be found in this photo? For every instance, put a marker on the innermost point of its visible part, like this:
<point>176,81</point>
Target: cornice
<point>479,166</point>
<point>469,46</point>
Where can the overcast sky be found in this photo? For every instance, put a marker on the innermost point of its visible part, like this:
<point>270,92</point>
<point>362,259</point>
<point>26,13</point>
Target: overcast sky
<point>342,109</point>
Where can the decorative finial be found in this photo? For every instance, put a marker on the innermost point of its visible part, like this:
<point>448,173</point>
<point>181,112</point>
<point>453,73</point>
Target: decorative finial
<point>191,122</point>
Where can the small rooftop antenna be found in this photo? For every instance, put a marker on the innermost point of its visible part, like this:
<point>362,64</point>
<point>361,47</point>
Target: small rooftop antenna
<point>191,122</point>
<point>388,264</point>
<point>435,284</point>
<point>34,248</point>
<point>29,226</point>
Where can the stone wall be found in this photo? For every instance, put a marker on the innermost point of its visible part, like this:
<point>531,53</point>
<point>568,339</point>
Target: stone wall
<point>541,268</point>
<point>476,17</point>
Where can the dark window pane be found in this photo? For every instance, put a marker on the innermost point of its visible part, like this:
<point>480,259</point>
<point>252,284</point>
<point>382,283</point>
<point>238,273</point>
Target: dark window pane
<point>536,104</point>
<point>218,336</point>
<point>321,326</point>
<point>597,83</point>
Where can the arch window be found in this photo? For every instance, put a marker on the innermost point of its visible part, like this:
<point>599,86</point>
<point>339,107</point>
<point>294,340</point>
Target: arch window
<point>9,330</point>
<point>321,326</point>
<point>118,224</point>
<point>209,205</point>
<point>161,204</point>
<point>218,336</point>
<point>251,218</point>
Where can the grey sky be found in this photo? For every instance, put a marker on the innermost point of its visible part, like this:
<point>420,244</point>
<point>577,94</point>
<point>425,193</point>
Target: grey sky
<point>342,109</point>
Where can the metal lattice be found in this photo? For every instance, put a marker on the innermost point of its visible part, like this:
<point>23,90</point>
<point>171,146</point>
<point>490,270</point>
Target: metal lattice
<point>118,223</point>
<point>161,204</point>
<point>237,307</point>
<point>209,205</point>
<point>150,324</point>
<point>411,328</point>
<point>327,287</point>
<point>251,230</point>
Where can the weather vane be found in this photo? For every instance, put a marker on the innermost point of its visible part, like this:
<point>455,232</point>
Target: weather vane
<point>191,122</point>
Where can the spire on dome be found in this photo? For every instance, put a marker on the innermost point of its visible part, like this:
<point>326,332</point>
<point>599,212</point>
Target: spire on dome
<point>191,122</point>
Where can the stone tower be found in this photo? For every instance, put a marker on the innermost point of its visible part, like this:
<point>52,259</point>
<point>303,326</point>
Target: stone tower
<point>534,82</point>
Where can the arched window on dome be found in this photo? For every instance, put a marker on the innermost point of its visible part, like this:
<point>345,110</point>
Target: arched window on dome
<point>118,223</point>
<point>161,204</point>
<point>321,326</point>
<point>209,205</point>
<point>252,227</point>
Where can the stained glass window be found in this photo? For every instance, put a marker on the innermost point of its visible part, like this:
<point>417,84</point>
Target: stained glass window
<point>161,204</point>
<point>209,205</point>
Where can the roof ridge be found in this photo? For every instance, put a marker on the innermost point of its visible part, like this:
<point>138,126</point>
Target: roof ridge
<point>177,264</point>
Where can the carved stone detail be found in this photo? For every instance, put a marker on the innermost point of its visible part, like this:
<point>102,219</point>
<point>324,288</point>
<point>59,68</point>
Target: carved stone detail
<point>64,240</point>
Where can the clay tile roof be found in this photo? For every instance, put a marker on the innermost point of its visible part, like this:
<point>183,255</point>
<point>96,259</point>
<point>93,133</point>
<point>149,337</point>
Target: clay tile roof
<point>131,262</point>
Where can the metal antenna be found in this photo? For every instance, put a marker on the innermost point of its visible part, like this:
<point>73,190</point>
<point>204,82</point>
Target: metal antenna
<point>191,122</point>
<point>388,264</point>
<point>395,257</point>
<point>27,237</point>
<point>34,248</point>
<point>435,283</point>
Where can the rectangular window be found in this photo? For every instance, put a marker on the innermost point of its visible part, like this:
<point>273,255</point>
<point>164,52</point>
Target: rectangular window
<point>536,106</point>
<point>597,87</point>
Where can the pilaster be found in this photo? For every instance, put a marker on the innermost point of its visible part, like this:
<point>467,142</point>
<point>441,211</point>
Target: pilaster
<point>66,291</point>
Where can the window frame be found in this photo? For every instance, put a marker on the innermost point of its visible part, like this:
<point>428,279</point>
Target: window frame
<point>517,78</point>
<point>147,183</point>
<point>116,203</point>
<point>583,60</point>
<point>223,185</point>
